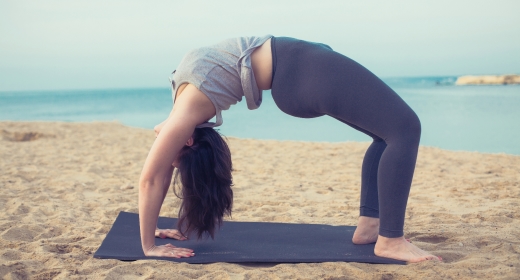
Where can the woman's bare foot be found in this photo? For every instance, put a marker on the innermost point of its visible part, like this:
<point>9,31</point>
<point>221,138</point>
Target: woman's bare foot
<point>400,249</point>
<point>367,231</point>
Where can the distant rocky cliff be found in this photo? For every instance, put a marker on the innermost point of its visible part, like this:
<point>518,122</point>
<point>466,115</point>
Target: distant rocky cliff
<point>488,80</point>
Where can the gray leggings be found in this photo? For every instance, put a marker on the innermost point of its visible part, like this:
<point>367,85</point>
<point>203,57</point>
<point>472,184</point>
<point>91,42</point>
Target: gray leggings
<point>312,80</point>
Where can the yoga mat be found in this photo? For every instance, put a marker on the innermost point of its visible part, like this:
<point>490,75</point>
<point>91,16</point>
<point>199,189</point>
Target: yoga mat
<point>246,242</point>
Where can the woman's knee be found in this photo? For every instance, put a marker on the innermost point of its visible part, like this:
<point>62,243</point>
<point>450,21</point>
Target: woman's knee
<point>413,127</point>
<point>408,128</point>
<point>415,124</point>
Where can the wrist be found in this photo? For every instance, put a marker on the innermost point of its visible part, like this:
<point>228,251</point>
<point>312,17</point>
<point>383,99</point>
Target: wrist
<point>159,234</point>
<point>148,248</point>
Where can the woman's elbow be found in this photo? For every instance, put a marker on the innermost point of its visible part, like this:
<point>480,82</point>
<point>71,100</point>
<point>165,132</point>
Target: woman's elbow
<point>146,182</point>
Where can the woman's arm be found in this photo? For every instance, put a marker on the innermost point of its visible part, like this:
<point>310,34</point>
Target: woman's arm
<point>158,127</point>
<point>192,108</point>
<point>168,233</point>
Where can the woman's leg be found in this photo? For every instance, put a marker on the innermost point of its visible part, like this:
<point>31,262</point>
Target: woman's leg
<point>368,223</point>
<point>381,112</point>
<point>311,80</point>
<point>367,230</point>
<point>389,162</point>
<point>369,201</point>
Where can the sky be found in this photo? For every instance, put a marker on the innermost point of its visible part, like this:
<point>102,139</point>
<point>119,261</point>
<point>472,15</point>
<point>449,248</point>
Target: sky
<point>72,44</point>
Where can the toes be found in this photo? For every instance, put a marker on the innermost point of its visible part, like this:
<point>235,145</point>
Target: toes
<point>432,258</point>
<point>425,258</point>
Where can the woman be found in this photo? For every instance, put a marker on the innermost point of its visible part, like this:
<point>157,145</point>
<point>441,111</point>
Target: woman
<point>307,80</point>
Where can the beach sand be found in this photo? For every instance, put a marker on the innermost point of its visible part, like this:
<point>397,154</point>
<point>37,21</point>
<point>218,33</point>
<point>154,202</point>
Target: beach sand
<point>63,184</point>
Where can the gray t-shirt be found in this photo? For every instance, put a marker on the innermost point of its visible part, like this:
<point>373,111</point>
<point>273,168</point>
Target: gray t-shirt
<point>223,72</point>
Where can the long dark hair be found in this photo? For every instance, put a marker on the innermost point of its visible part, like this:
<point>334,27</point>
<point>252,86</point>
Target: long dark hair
<point>204,176</point>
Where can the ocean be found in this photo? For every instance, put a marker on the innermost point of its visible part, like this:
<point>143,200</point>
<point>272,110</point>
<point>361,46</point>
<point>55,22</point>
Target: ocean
<point>463,118</point>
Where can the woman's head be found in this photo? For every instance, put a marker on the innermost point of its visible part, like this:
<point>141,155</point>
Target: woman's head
<point>204,175</point>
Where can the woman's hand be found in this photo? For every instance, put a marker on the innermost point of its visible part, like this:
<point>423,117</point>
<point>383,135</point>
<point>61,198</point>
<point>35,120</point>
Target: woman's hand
<point>169,251</point>
<point>169,233</point>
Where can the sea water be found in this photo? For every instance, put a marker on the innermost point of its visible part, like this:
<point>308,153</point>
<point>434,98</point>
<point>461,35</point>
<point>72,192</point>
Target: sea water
<point>469,118</point>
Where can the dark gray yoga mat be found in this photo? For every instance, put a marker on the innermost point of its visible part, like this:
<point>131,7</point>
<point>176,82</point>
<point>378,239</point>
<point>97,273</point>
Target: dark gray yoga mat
<point>246,242</point>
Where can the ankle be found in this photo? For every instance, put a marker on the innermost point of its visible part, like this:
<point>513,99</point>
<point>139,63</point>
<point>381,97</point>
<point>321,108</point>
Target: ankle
<point>389,241</point>
<point>368,221</point>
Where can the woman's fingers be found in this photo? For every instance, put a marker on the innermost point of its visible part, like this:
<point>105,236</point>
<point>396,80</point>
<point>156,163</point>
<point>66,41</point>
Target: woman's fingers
<point>172,247</point>
<point>177,255</point>
<point>171,251</point>
<point>177,235</point>
<point>184,250</point>
<point>171,233</point>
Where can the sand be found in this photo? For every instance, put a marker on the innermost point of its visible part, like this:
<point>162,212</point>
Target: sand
<point>510,79</point>
<point>63,184</point>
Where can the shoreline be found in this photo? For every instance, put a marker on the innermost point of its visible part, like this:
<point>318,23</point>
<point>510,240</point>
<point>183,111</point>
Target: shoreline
<point>7,135</point>
<point>63,190</point>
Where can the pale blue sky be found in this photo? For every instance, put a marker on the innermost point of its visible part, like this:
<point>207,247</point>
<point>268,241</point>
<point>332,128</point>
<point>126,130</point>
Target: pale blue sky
<point>70,44</point>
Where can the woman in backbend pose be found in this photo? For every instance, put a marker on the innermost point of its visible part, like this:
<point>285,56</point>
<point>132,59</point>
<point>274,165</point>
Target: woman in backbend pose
<point>307,80</point>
